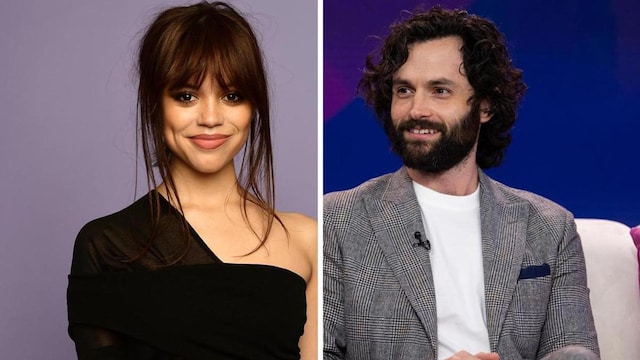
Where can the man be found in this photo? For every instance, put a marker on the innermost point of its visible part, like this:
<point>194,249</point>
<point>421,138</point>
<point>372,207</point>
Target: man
<point>437,260</point>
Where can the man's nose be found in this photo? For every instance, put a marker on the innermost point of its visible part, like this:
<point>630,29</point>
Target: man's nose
<point>421,107</point>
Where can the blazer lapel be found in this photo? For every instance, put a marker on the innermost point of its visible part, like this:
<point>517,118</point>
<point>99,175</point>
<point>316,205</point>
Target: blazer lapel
<point>395,217</point>
<point>503,225</point>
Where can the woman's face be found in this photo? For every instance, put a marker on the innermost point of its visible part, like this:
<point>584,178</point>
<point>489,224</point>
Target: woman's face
<point>205,127</point>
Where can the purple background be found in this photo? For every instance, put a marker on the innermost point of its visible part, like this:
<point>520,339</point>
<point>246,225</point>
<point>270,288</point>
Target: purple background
<point>67,100</point>
<point>576,138</point>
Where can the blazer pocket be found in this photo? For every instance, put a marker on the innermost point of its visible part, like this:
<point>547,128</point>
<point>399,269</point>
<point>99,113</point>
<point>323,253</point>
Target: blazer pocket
<point>534,271</point>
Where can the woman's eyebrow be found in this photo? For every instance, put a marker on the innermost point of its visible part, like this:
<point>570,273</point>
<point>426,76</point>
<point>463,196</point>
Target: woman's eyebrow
<point>187,86</point>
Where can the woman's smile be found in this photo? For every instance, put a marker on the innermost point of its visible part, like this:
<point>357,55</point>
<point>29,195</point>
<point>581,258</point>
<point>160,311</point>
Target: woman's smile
<point>209,142</point>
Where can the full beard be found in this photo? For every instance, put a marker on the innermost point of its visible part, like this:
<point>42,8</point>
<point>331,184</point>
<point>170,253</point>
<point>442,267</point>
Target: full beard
<point>453,146</point>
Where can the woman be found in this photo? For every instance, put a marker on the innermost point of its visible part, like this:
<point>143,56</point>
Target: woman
<point>202,267</point>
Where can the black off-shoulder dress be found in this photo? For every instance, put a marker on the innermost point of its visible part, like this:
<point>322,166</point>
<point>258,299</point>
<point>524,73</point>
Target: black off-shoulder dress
<point>199,308</point>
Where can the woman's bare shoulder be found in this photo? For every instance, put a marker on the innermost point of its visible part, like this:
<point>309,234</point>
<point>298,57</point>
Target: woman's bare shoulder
<point>298,221</point>
<point>303,230</point>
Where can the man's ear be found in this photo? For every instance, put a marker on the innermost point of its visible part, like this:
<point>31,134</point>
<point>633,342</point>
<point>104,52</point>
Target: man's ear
<point>485,111</point>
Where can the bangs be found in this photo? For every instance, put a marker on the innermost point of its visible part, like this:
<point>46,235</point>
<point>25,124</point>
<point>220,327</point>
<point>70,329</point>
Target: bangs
<point>213,46</point>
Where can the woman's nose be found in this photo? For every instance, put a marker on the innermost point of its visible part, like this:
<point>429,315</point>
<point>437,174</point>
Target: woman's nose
<point>210,114</point>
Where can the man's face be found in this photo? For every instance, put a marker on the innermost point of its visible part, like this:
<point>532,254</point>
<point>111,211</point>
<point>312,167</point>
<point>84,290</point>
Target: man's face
<point>434,128</point>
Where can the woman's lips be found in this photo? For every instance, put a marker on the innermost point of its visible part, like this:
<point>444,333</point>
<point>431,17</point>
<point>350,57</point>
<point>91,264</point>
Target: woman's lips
<point>209,142</point>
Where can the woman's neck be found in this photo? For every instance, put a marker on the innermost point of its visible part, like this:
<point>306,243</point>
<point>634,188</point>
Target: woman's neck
<point>202,189</point>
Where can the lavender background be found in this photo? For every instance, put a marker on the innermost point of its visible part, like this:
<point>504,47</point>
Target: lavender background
<point>67,143</point>
<point>576,137</point>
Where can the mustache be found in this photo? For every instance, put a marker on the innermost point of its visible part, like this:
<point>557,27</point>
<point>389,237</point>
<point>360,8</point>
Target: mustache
<point>422,124</point>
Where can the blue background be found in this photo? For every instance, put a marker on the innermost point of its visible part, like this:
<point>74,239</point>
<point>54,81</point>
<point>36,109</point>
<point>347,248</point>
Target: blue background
<point>575,140</point>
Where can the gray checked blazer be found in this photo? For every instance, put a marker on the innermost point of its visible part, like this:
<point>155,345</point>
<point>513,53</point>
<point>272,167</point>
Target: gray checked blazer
<point>379,300</point>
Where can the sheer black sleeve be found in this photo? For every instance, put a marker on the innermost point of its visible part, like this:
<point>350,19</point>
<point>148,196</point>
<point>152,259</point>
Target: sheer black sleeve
<point>92,342</point>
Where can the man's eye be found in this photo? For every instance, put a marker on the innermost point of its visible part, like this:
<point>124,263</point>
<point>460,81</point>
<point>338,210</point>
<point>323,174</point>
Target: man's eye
<point>441,91</point>
<point>403,91</point>
<point>233,97</point>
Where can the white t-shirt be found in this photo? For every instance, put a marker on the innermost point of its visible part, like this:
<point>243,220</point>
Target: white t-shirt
<point>452,225</point>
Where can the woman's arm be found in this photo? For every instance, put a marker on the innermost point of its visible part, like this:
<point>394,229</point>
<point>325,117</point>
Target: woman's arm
<point>309,340</point>
<point>309,241</point>
<point>94,343</point>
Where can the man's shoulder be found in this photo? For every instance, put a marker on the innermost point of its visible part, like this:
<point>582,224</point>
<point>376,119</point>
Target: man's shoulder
<point>349,198</point>
<point>538,205</point>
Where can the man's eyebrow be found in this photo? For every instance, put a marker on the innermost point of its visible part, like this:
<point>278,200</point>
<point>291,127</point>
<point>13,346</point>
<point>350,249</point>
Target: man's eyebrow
<point>400,81</point>
<point>431,83</point>
<point>441,81</point>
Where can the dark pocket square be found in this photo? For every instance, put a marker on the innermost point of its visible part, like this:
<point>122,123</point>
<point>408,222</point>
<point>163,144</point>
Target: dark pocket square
<point>534,271</point>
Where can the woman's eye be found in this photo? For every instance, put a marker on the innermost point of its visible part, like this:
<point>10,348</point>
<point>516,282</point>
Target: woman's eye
<point>233,97</point>
<point>184,97</point>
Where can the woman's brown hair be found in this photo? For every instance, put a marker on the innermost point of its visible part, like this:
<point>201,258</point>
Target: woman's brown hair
<point>182,46</point>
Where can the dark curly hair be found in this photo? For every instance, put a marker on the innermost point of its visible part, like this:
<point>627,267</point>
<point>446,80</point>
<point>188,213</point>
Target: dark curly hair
<point>486,63</point>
